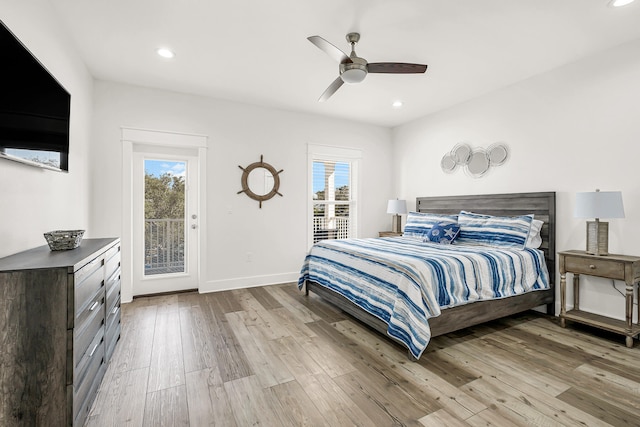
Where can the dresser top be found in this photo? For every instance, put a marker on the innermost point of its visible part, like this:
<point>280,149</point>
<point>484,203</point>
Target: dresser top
<point>43,257</point>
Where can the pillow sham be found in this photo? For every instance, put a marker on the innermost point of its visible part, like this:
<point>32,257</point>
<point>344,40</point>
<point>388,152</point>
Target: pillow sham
<point>419,223</point>
<point>443,232</point>
<point>534,240</point>
<point>499,231</point>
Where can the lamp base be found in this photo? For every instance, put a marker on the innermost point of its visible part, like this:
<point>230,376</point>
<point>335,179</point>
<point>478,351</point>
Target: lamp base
<point>396,224</point>
<point>597,238</point>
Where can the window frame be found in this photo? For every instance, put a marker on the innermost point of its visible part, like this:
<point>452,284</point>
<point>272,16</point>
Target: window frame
<point>319,153</point>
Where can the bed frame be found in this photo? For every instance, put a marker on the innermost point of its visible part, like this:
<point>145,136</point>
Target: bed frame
<point>543,205</point>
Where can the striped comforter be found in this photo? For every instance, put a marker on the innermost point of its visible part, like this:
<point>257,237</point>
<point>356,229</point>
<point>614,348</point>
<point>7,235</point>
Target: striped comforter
<point>404,281</point>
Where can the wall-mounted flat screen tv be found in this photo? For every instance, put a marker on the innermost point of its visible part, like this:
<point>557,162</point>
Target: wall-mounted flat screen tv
<point>34,109</point>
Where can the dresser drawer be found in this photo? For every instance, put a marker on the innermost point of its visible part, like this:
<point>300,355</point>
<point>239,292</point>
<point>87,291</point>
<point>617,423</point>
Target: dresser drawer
<point>113,314</point>
<point>95,350</point>
<point>83,392</point>
<point>113,284</point>
<point>86,289</point>
<point>112,261</point>
<point>88,269</point>
<point>112,336</point>
<point>602,268</point>
<point>85,407</point>
<point>83,318</point>
<point>82,338</point>
<point>113,294</point>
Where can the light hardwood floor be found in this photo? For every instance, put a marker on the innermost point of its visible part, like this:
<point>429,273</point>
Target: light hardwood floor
<point>271,356</point>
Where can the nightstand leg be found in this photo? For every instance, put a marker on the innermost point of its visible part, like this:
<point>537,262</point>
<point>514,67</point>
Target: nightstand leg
<point>563,298</point>
<point>629,313</point>
<point>576,292</point>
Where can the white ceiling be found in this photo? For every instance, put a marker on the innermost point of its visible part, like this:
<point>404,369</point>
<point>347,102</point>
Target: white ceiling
<point>256,51</point>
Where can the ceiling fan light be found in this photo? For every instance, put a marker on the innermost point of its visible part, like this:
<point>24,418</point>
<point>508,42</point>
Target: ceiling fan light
<point>353,75</point>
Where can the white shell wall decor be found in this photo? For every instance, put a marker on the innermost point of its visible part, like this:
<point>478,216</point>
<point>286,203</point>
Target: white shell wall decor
<point>475,161</point>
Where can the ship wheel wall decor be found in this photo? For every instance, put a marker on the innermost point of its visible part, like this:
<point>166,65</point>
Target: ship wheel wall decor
<point>260,181</point>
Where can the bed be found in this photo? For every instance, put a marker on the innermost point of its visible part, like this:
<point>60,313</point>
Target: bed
<point>449,318</point>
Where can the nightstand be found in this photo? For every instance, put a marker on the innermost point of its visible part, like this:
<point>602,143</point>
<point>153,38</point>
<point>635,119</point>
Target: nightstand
<point>616,267</point>
<point>389,234</point>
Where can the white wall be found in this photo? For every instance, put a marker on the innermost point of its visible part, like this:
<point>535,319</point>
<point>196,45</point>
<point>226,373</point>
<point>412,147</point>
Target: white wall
<point>573,129</point>
<point>238,134</point>
<point>33,200</point>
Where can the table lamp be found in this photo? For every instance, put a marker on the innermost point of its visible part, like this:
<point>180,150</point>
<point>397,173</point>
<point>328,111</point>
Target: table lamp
<point>397,208</point>
<point>598,204</point>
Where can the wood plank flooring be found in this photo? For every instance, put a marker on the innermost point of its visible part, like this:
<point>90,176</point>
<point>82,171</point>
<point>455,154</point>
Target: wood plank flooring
<point>272,356</point>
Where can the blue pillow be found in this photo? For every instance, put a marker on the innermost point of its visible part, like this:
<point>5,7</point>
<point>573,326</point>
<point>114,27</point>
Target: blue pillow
<point>499,231</point>
<point>419,223</point>
<point>444,232</point>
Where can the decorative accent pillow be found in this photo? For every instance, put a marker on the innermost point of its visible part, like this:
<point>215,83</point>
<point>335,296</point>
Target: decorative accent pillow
<point>419,223</point>
<point>444,232</point>
<point>534,240</point>
<point>499,231</point>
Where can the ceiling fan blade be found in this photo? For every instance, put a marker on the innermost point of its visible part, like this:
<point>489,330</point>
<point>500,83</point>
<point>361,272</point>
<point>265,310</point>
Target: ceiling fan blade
<point>330,49</point>
<point>396,68</point>
<point>333,87</point>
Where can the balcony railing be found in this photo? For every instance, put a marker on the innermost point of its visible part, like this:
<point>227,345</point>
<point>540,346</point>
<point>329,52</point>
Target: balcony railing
<point>336,227</point>
<point>164,241</point>
<point>164,246</point>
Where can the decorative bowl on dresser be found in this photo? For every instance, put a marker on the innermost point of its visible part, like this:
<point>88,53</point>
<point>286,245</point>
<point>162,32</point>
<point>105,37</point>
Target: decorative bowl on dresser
<point>59,324</point>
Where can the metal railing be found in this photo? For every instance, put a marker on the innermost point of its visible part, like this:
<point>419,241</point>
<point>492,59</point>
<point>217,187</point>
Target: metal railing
<point>164,246</point>
<point>336,227</point>
<point>164,241</point>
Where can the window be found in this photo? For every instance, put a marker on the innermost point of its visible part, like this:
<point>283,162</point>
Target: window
<point>333,192</point>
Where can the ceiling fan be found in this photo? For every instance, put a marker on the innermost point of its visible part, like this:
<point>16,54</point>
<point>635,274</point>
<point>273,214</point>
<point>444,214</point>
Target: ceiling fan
<point>354,69</point>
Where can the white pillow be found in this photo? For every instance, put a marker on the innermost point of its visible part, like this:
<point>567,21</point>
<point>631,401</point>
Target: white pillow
<point>534,240</point>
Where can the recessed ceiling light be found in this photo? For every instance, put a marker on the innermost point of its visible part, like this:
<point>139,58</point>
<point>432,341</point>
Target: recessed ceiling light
<point>397,104</point>
<point>165,53</point>
<point>619,3</point>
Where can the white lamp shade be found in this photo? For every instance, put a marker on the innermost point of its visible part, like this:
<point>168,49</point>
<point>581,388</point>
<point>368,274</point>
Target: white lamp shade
<point>397,207</point>
<point>599,204</point>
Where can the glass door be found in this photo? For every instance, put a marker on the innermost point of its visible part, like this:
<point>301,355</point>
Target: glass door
<point>164,217</point>
<point>166,223</point>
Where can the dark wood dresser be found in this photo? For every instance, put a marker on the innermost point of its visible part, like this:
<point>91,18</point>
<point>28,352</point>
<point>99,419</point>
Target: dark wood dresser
<point>59,324</point>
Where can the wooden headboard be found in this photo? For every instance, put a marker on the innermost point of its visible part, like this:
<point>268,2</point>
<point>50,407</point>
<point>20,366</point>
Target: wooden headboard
<point>542,205</point>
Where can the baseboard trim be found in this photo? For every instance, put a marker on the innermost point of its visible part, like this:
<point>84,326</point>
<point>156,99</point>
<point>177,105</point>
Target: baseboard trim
<point>247,282</point>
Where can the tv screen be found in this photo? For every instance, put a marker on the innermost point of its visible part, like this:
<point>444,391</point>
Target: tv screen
<point>34,109</point>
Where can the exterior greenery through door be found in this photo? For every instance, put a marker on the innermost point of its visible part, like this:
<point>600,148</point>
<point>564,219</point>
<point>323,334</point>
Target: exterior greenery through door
<point>164,211</point>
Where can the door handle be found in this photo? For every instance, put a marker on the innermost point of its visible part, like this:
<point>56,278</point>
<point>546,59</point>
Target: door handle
<point>194,226</point>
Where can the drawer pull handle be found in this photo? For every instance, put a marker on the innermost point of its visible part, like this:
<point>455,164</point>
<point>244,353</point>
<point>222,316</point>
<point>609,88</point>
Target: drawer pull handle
<point>94,305</point>
<point>115,310</point>
<point>591,266</point>
<point>93,350</point>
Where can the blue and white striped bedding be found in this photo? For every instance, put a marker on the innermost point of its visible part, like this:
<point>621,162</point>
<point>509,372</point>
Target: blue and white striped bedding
<point>404,281</point>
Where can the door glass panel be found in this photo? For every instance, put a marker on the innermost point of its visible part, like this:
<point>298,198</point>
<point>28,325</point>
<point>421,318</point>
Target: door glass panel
<point>164,217</point>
